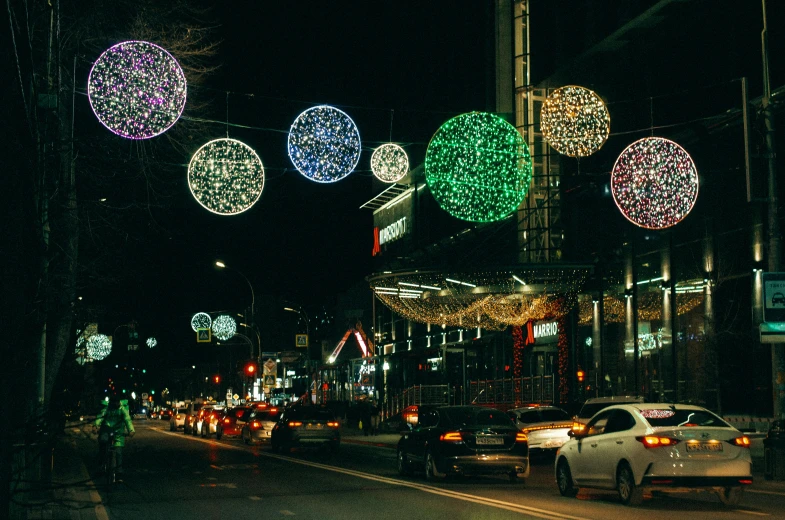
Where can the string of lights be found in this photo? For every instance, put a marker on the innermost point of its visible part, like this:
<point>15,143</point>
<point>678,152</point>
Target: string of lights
<point>478,167</point>
<point>575,121</point>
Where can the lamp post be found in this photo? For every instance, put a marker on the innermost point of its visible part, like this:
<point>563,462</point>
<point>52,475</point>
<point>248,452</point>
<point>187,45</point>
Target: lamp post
<point>221,265</point>
<point>299,310</point>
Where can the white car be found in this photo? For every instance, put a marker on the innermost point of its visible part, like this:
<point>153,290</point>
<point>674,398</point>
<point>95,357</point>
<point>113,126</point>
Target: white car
<point>674,447</point>
<point>546,426</point>
<point>177,420</point>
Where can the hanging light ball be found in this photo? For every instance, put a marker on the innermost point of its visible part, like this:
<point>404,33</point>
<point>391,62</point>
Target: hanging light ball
<point>389,163</point>
<point>575,121</point>
<point>98,346</point>
<point>226,176</point>
<point>137,89</point>
<point>654,183</point>
<point>478,167</point>
<point>224,327</point>
<point>152,342</point>
<point>324,144</point>
<point>201,320</point>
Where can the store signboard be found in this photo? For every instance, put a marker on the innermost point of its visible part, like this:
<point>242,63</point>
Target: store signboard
<point>773,297</point>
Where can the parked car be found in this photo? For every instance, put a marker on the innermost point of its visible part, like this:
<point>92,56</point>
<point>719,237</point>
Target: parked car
<point>306,425</point>
<point>231,423</point>
<point>191,415</point>
<point>260,424</point>
<point>634,447</point>
<point>547,427</point>
<point>165,414</point>
<point>471,440</point>
<point>177,420</point>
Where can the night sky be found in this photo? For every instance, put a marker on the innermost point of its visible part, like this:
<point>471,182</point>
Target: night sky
<point>399,69</point>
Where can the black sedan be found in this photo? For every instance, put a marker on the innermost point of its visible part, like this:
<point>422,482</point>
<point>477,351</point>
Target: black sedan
<point>306,426</point>
<point>464,440</point>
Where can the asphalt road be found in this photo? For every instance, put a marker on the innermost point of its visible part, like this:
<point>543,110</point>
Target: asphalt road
<point>173,476</point>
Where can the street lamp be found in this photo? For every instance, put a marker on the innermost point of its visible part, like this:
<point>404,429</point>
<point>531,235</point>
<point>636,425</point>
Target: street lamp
<point>221,265</point>
<point>299,310</point>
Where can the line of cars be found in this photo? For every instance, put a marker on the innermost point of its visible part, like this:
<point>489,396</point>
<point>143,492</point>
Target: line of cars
<point>615,443</point>
<point>282,428</point>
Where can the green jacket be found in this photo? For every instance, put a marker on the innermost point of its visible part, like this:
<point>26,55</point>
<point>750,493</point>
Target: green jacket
<point>117,420</point>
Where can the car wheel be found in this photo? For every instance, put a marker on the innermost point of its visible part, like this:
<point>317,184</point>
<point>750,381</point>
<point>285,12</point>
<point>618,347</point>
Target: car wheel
<point>731,496</point>
<point>403,464</point>
<point>274,445</point>
<point>171,427</point>
<point>564,480</point>
<point>205,431</point>
<point>219,434</point>
<point>431,472</point>
<point>246,438</point>
<point>629,493</point>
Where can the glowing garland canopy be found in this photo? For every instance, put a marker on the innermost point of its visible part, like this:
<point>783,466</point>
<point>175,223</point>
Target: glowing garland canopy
<point>389,163</point>
<point>224,327</point>
<point>201,320</point>
<point>324,144</point>
<point>137,89</point>
<point>226,176</point>
<point>575,121</point>
<point>654,183</point>
<point>493,300</point>
<point>649,307</point>
<point>152,342</point>
<point>82,336</point>
<point>98,346</point>
<point>477,167</point>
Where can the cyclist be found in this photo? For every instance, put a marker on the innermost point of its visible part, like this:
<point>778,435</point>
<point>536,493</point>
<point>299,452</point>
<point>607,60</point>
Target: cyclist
<point>116,419</point>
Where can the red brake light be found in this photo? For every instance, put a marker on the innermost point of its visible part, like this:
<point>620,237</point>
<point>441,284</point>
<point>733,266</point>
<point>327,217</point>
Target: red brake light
<point>655,441</point>
<point>742,441</point>
<point>295,424</point>
<point>256,425</point>
<point>451,437</point>
<point>332,424</point>
<point>521,437</point>
<point>227,421</point>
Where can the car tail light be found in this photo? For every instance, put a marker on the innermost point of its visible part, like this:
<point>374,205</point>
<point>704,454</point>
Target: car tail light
<point>451,437</point>
<point>742,441</point>
<point>521,437</point>
<point>227,421</point>
<point>178,416</point>
<point>273,410</point>
<point>256,425</point>
<point>578,427</point>
<point>295,424</point>
<point>332,424</point>
<point>655,441</point>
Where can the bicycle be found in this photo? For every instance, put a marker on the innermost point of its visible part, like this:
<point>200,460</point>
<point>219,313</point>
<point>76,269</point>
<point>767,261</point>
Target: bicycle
<point>109,458</point>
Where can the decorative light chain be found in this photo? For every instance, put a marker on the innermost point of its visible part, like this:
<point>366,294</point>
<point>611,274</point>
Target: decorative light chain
<point>137,89</point>
<point>324,144</point>
<point>224,327</point>
<point>389,163</point>
<point>575,121</point>
<point>478,167</point>
<point>654,183</point>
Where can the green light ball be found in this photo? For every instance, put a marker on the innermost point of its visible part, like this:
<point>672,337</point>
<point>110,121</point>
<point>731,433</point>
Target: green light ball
<point>478,167</point>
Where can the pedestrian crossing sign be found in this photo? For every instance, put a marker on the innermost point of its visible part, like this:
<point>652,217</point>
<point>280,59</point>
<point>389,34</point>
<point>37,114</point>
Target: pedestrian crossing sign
<point>203,336</point>
<point>269,380</point>
<point>301,340</point>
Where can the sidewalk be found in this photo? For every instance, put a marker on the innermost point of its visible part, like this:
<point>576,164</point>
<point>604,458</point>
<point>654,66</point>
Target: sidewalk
<point>382,440</point>
<point>72,495</point>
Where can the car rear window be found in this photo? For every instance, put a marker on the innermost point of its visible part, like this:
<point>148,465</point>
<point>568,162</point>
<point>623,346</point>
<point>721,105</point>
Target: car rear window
<point>662,417</point>
<point>529,417</point>
<point>311,412</point>
<point>554,415</point>
<point>237,412</point>
<point>473,417</point>
<point>271,414</point>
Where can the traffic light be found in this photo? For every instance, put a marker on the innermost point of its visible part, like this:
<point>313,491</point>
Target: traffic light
<point>216,379</point>
<point>250,369</point>
<point>580,374</point>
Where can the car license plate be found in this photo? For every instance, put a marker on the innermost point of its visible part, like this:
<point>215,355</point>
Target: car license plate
<point>704,446</point>
<point>490,441</point>
<point>316,426</point>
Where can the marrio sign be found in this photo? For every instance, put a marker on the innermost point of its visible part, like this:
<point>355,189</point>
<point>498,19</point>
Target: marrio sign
<point>388,234</point>
<point>541,332</point>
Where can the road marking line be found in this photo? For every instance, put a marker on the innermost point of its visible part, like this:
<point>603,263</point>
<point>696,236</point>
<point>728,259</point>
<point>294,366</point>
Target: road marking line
<point>286,513</point>
<point>756,513</point>
<point>216,467</point>
<point>509,506</point>
<point>255,498</point>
